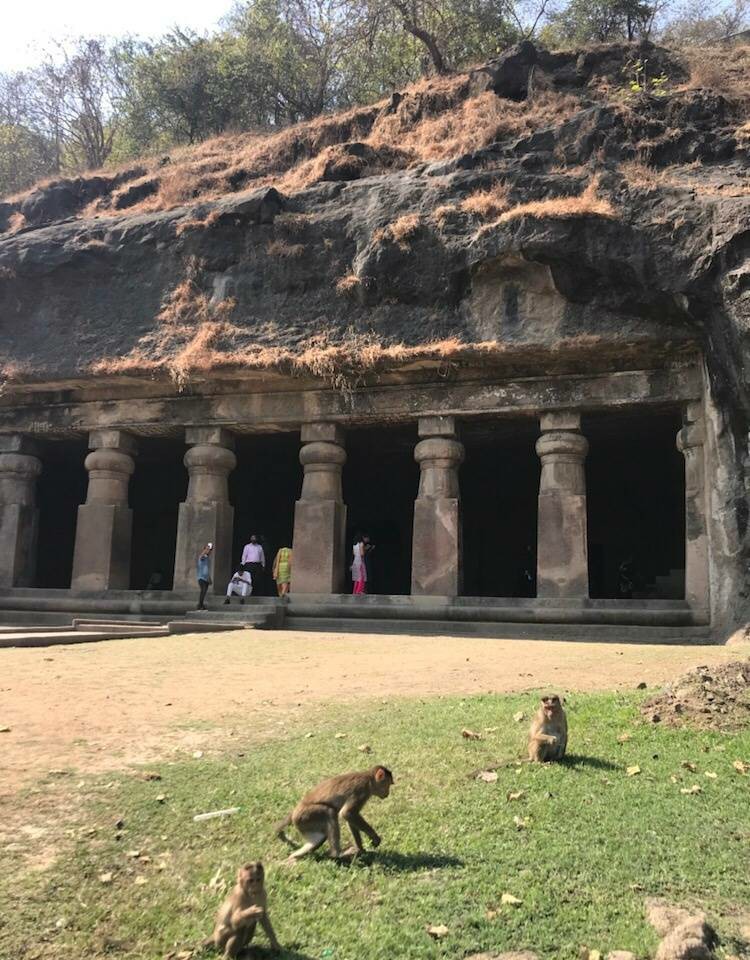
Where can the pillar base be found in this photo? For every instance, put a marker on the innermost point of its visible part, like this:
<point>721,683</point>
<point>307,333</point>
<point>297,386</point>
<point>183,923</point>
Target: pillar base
<point>19,525</point>
<point>101,560</point>
<point>201,522</point>
<point>562,560</point>
<point>436,548</point>
<point>319,547</point>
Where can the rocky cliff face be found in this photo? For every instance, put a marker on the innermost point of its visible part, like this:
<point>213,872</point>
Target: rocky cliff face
<point>535,207</point>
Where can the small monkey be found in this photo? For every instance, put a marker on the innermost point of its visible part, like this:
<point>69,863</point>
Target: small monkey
<point>244,907</point>
<point>317,814</point>
<point>548,735</point>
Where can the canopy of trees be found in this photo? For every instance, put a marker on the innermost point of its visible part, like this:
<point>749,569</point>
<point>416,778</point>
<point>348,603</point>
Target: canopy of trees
<point>94,101</point>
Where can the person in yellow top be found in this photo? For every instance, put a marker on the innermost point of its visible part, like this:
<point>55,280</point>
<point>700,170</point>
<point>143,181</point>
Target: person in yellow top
<point>282,570</point>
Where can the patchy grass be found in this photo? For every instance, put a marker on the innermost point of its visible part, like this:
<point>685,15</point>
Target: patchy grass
<point>581,847</point>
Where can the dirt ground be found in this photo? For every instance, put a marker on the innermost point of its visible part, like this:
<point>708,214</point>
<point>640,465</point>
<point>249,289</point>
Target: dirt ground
<point>99,706</point>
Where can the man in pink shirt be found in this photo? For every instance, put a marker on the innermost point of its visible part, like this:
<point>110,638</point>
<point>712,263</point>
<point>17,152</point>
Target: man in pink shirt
<point>254,560</point>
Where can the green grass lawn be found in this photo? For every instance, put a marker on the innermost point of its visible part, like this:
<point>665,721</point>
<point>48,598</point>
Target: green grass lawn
<point>595,844</point>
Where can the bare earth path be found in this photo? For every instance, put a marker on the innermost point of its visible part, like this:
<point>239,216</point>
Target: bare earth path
<point>100,706</point>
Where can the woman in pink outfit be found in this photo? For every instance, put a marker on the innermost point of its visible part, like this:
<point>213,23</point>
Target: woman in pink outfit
<point>359,569</point>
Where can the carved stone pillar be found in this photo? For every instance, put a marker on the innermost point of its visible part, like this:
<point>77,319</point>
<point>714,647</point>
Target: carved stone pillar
<point>101,560</point>
<point>436,566</point>
<point>320,513</point>
<point>206,516</point>
<point>690,440</point>
<point>19,517</point>
<point>562,548</point>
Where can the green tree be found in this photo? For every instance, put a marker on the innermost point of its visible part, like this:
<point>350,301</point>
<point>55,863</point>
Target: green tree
<point>599,21</point>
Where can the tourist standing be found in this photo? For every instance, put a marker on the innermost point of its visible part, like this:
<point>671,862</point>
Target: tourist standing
<point>254,560</point>
<point>282,570</point>
<point>359,567</point>
<point>204,574</point>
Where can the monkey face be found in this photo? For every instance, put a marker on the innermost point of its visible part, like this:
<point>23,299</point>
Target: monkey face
<point>383,782</point>
<point>251,876</point>
<point>551,705</point>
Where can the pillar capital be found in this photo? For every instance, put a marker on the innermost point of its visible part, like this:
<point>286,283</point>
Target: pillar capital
<point>110,466</point>
<point>568,420</point>
<point>437,427</point>
<point>18,443</point>
<point>562,446</point>
<point>323,431</point>
<point>323,456</point>
<point>216,436</point>
<point>16,469</point>
<point>113,440</point>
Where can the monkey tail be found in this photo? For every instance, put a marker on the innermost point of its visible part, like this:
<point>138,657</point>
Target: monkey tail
<point>280,828</point>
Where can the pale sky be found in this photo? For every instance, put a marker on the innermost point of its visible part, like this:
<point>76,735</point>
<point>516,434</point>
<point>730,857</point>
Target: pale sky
<point>26,24</point>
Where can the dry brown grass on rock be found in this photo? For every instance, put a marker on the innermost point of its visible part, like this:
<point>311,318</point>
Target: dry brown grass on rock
<point>443,212</point>
<point>721,68</point>
<point>281,248</point>
<point>400,231</point>
<point>16,222</point>
<point>487,203</point>
<point>586,204</point>
<point>348,285</point>
<point>433,120</point>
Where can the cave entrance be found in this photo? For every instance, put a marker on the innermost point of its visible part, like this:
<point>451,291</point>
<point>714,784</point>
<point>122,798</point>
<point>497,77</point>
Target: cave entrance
<point>635,480</point>
<point>263,489</point>
<point>157,488</point>
<point>61,488</point>
<point>499,489</point>
<point>381,479</point>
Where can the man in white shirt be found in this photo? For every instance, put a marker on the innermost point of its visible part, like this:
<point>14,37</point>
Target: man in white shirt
<point>254,560</point>
<point>241,584</point>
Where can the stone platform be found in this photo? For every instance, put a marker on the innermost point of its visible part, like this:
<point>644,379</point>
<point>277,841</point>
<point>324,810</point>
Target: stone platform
<point>138,613</point>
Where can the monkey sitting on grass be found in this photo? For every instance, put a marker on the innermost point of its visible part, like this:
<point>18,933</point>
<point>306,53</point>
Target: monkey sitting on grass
<point>244,907</point>
<point>548,735</point>
<point>317,814</point>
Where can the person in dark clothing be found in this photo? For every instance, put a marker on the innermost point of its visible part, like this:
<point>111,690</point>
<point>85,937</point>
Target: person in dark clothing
<point>369,562</point>
<point>204,574</point>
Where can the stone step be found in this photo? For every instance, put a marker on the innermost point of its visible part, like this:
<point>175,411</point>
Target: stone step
<point>592,633</point>
<point>206,626</point>
<point>372,608</point>
<point>123,629</point>
<point>52,637</point>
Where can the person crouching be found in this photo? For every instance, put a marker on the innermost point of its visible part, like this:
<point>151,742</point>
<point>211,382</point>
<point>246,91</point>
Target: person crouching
<point>241,584</point>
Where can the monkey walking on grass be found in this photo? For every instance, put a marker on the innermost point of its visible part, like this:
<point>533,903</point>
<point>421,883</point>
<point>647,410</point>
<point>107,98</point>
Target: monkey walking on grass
<point>244,907</point>
<point>317,814</point>
<point>548,735</point>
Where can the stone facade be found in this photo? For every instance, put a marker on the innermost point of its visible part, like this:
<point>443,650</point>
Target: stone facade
<point>321,555</point>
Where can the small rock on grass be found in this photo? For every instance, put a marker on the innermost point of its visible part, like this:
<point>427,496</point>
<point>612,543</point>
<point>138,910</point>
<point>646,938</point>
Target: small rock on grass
<point>620,955</point>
